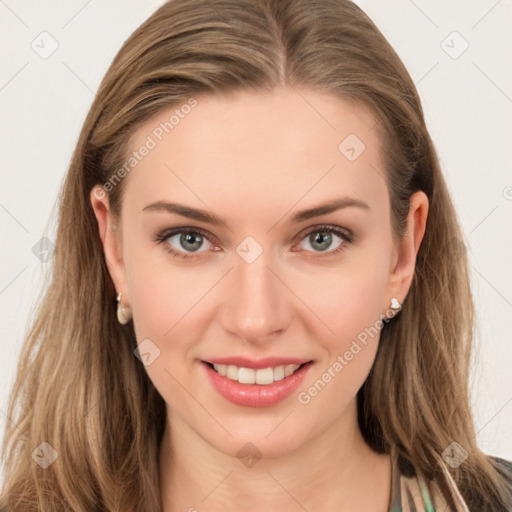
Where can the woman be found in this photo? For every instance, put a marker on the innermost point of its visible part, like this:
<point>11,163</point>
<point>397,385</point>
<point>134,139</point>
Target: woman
<point>255,301</point>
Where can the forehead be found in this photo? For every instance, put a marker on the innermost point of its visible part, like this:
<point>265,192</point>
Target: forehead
<point>258,148</point>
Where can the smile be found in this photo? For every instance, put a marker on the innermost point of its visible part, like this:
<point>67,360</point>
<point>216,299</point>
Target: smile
<point>250,387</point>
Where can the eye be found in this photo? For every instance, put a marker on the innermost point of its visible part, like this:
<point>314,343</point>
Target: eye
<point>188,243</point>
<point>320,239</point>
<point>184,243</point>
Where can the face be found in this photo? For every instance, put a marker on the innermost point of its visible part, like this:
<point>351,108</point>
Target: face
<point>260,281</point>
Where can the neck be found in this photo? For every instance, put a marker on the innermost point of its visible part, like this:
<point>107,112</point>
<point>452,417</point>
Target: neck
<point>335,471</point>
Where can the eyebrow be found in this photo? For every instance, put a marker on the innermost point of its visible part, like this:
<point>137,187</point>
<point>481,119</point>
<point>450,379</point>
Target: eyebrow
<point>210,218</point>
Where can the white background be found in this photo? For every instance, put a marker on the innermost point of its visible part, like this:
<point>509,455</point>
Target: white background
<point>468,106</point>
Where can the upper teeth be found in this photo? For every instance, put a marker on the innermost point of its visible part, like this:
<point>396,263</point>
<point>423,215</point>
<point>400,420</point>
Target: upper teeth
<point>251,376</point>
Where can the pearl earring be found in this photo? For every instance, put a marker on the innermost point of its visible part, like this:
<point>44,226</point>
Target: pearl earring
<point>395,304</point>
<point>124,314</point>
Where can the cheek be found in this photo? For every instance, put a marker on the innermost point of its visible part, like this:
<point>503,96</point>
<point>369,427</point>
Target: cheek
<point>351,306</point>
<point>162,292</point>
<point>347,299</point>
<point>165,302</point>
<point>167,307</point>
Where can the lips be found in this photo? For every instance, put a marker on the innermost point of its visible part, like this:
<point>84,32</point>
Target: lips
<point>253,394</point>
<point>256,364</point>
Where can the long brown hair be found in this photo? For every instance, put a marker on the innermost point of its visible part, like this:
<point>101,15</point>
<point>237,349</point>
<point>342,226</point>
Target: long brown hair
<point>79,387</point>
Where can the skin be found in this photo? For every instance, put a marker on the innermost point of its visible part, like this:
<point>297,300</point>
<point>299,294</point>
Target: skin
<point>255,159</point>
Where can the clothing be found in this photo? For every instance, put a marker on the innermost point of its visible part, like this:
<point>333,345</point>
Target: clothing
<point>409,492</point>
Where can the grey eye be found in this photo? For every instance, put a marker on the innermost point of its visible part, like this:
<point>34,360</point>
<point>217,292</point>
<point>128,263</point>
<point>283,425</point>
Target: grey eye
<point>187,241</point>
<point>321,240</point>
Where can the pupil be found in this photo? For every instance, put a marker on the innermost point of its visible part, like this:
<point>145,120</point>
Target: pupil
<point>322,236</point>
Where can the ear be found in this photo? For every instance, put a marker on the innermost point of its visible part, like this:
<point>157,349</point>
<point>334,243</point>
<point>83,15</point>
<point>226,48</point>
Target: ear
<point>404,263</point>
<point>110,238</point>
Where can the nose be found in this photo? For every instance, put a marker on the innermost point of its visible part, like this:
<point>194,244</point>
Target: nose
<point>255,307</point>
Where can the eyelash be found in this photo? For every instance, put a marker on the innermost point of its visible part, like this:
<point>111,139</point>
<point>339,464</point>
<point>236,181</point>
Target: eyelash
<point>346,235</point>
